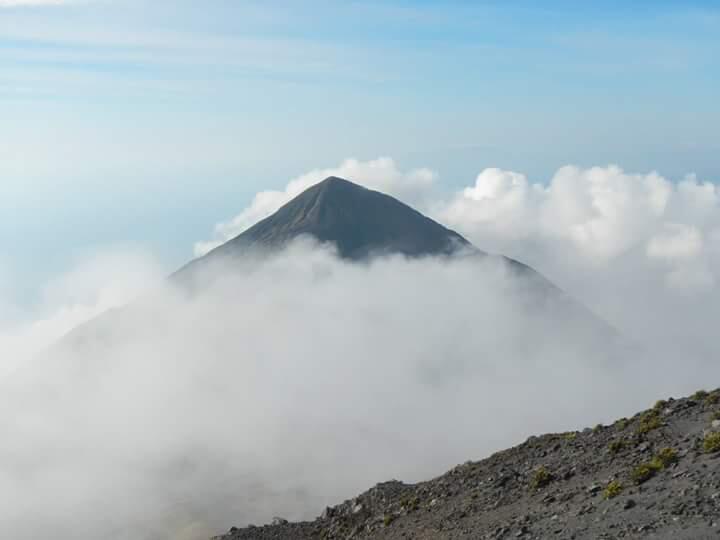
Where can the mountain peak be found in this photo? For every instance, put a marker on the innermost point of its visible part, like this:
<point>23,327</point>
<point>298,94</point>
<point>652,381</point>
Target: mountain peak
<point>336,180</point>
<point>359,221</point>
<point>333,191</point>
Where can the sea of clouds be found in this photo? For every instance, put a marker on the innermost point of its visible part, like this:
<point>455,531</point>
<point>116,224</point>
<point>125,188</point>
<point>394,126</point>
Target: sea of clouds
<point>299,380</point>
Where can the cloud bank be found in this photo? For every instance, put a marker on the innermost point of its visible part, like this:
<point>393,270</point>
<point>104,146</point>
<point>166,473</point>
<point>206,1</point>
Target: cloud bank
<point>300,380</point>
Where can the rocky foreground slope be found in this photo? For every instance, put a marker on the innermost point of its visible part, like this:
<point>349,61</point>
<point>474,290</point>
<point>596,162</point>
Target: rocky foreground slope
<point>656,475</point>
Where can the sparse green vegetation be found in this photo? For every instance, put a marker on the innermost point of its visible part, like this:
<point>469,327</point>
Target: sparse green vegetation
<point>713,398</point>
<point>388,519</point>
<point>541,478</point>
<point>645,471</point>
<point>612,490</point>
<point>597,428</point>
<point>715,415</point>
<point>622,423</point>
<point>570,435</point>
<point>616,446</point>
<point>648,422</point>
<point>711,443</point>
<point>699,395</point>
<point>660,405</point>
<point>667,456</point>
<point>410,504</point>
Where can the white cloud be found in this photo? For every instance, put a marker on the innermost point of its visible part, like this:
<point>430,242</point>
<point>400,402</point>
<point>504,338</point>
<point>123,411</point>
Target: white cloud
<point>600,211</point>
<point>180,417</point>
<point>104,282</point>
<point>676,241</point>
<point>499,201</point>
<point>690,278</point>
<point>584,220</point>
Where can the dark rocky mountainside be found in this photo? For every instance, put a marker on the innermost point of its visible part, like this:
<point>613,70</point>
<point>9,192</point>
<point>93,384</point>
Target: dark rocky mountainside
<point>362,223</point>
<point>359,221</point>
<point>655,475</point>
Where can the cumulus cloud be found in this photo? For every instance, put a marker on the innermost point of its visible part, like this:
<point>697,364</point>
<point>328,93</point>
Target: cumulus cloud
<point>612,239</point>
<point>381,174</point>
<point>600,212</point>
<point>592,218</point>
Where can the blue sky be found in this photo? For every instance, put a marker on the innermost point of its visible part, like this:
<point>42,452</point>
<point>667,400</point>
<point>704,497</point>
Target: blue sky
<point>143,123</point>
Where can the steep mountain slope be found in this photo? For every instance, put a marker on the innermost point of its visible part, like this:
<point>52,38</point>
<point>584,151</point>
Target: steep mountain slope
<point>360,222</point>
<point>656,475</point>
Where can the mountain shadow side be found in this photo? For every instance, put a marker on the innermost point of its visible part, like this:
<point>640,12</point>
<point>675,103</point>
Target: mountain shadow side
<point>359,222</point>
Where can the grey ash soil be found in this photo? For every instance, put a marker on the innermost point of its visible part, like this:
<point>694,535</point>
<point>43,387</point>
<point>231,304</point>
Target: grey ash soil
<point>553,486</point>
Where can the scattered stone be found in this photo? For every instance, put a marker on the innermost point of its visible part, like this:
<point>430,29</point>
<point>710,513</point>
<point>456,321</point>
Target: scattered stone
<point>357,508</point>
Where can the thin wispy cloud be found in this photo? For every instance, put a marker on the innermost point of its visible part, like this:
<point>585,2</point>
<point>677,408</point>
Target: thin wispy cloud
<point>35,3</point>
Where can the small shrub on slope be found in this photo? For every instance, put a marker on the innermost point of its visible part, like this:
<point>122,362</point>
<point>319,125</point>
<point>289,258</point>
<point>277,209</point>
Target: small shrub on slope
<point>645,471</point>
<point>667,456</point>
<point>616,446</point>
<point>612,490</point>
<point>711,443</point>
<point>648,422</point>
<point>660,405</point>
<point>541,478</point>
